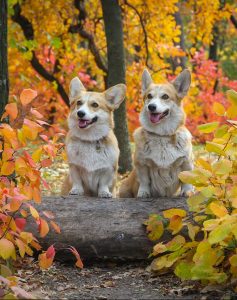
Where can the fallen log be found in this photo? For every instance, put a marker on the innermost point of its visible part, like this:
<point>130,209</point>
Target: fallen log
<point>99,229</point>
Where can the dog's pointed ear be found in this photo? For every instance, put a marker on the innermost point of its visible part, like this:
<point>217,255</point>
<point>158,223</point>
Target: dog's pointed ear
<point>146,80</point>
<point>76,86</point>
<point>182,83</point>
<point>115,95</point>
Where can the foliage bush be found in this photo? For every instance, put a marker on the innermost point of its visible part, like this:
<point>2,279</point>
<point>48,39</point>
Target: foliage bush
<point>20,185</point>
<point>204,246</point>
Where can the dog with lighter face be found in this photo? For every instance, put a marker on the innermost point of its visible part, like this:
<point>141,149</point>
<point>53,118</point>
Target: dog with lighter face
<point>91,145</point>
<point>163,145</point>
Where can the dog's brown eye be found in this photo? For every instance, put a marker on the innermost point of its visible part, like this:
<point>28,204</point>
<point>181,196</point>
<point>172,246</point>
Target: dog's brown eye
<point>94,104</point>
<point>149,96</point>
<point>79,102</point>
<point>165,97</point>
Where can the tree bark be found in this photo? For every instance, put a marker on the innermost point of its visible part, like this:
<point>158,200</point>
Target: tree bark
<point>181,61</point>
<point>4,83</point>
<point>213,49</point>
<point>116,74</point>
<point>103,229</point>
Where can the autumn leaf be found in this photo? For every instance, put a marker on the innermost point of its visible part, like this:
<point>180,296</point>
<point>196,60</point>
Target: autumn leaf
<point>55,227</point>
<point>79,262</point>
<point>8,168</point>
<point>27,95</point>
<point>7,249</point>
<point>11,110</point>
<point>43,227</point>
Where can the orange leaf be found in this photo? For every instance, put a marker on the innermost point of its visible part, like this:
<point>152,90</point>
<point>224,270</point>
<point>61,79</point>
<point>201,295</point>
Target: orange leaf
<point>43,227</point>
<point>27,95</point>
<point>7,168</point>
<point>46,162</point>
<point>45,262</point>
<point>79,262</point>
<point>11,110</point>
<point>55,227</point>
<point>36,195</point>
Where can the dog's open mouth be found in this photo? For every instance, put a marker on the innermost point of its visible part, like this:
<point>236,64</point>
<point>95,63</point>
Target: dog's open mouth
<point>85,123</point>
<point>157,117</point>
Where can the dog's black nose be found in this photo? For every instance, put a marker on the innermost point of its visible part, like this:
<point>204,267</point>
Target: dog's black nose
<point>81,113</point>
<point>152,107</point>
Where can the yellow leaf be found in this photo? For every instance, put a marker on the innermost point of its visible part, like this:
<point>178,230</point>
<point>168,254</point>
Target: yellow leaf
<point>12,110</point>
<point>34,212</point>
<point>26,236</point>
<point>7,249</point>
<point>214,147</point>
<point>174,212</point>
<point>27,95</point>
<point>219,109</point>
<point>37,155</point>
<point>218,209</point>
<point>21,247</point>
<point>8,168</point>
<point>208,128</point>
<point>222,167</point>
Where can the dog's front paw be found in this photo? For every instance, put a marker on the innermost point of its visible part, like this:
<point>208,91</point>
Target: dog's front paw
<point>76,191</point>
<point>187,190</point>
<point>105,194</point>
<point>143,194</point>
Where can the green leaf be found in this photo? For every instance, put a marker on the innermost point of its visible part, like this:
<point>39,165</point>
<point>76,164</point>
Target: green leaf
<point>183,270</point>
<point>208,128</point>
<point>215,148</point>
<point>195,201</point>
<point>219,233</point>
<point>232,96</point>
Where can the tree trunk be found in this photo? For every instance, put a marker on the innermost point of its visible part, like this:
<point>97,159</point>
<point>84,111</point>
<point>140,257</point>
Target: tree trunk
<point>116,74</point>
<point>4,84</point>
<point>181,61</point>
<point>213,55</point>
<point>103,229</point>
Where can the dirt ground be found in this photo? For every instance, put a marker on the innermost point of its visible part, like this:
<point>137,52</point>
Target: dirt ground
<point>111,282</point>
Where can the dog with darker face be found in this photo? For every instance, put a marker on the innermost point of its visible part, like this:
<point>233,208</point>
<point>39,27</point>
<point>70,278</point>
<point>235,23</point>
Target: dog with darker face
<point>163,146</point>
<point>91,145</point>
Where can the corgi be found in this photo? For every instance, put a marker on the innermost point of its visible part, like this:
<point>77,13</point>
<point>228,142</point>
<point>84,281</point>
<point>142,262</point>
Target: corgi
<point>163,145</point>
<point>91,145</point>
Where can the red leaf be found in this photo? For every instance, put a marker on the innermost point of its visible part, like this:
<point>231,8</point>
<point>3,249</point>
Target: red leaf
<point>50,253</point>
<point>79,262</point>
<point>20,223</point>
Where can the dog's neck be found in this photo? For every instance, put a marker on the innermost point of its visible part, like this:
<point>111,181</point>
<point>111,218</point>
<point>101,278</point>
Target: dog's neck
<point>90,135</point>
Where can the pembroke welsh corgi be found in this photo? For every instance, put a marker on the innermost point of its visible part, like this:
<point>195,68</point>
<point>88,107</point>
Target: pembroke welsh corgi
<point>91,145</point>
<point>163,145</point>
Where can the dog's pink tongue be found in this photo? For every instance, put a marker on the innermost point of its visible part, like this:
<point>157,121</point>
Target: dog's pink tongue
<point>82,123</point>
<point>155,117</point>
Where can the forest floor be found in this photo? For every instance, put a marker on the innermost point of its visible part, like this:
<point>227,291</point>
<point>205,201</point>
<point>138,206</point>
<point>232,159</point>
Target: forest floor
<point>111,281</point>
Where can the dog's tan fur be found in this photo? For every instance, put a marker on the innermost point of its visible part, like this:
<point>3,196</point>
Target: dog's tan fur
<point>93,150</point>
<point>162,149</point>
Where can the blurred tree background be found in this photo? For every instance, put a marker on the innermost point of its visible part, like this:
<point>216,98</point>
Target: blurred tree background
<point>51,41</point>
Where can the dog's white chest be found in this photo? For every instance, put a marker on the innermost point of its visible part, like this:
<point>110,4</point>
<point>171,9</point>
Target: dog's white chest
<point>91,156</point>
<point>163,152</point>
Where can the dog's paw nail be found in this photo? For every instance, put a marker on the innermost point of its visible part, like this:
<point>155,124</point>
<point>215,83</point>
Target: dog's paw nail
<point>105,195</point>
<point>143,194</point>
<point>76,192</point>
